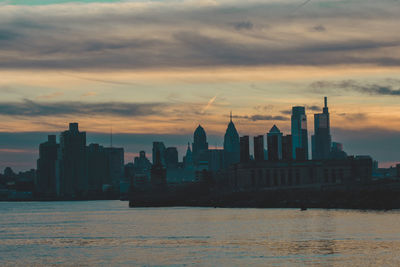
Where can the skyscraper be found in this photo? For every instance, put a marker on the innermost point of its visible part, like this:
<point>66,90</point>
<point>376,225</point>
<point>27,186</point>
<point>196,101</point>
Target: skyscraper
<point>287,147</point>
<point>321,140</point>
<point>72,177</point>
<point>259,148</point>
<point>274,139</point>
<point>244,149</point>
<point>160,147</point>
<point>45,183</point>
<point>97,167</point>
<point>188,158</point>
<point>231,144</point>
<point>200,145</point>
<point>115,160</point>
<point>299,133</point>
<point>171,157</point>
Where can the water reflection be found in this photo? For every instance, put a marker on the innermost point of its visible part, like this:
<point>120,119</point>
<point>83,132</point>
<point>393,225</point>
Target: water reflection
<point>108,233</point>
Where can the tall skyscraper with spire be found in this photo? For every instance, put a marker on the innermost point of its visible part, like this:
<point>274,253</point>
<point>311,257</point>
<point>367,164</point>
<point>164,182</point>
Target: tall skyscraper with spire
<point>299,133</point>
<point>322,140</point>
<point>200,145</point>
<point>231,144</point>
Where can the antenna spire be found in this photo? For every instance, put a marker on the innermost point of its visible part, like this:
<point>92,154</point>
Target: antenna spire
<point>231,116</point>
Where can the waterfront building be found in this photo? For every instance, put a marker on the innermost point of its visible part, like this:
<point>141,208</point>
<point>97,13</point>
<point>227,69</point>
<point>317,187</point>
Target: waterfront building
<point>244,149</point>
<point>274,140</point>
<point>97,168</point>
<point>215,159</point>
<point>171,158</point>
<point>231,144</point>
<point>321,140</point>
<point>200,145</point>
<point>72,179</point>
<point>299,133</point>
<point>188,158</point>
<point>45,182</point>
<point>115,166</point>
<point>287,147</point>
<point>159,147</point>
<point>259,148</point>
<point>158,172</point>
<point>255,175</point>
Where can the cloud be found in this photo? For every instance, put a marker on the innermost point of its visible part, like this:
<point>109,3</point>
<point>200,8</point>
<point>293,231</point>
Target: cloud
<point>243,25</point>
<point>258,117</point>
<point>354,116</point>
<point>313,108</point>
<point>50,96</point>
<point>318,28</point>
<point>356,86</point>
<point>167,34</point>
<point>209,103</point>
<point>29,108</point>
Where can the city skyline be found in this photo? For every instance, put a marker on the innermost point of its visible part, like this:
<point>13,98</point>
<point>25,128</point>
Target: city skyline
<point>144,67</point>
<point>178,141</point>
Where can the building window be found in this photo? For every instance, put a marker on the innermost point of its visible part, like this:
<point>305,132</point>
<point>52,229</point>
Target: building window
<point>253,178</point>
<point>275,178</point>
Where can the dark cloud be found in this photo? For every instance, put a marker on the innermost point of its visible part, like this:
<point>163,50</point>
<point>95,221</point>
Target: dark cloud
<point>314,108</point>
<point>6,35</point>
<point>360,87</point>
<point>243,25</point>
<point>261,117</point>
<point>31,108</point>
<point>318,28</point>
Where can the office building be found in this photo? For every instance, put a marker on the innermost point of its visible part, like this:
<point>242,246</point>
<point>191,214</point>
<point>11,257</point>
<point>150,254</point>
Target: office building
<point>231,144</point>
<point>299,133</point>
<point>274,142</point>
<point>259,148</point>
<point>321,140</point>
<point>244,149</point>
<point>45,183</point>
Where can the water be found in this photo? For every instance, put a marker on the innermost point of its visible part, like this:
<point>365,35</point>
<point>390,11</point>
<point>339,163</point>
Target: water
<point>108,233</point>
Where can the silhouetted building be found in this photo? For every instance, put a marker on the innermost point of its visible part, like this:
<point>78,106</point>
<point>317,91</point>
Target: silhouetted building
<point>200,145</point>
<point>160,147</point>
<point>259,148</point>
<point>321,140</point>
<point>215,159</point>
<point>141,168</point>
<point>398,170</point>
<point>244,149</point>
<point>72,179</point>
<point>337,151</point>
<point>231,144</point>
<point>97,168</point>
<point>115,160</point>
<point>188,158</point>
<point>45,184</point>
<point>171,157</point>
<point>299,133</point>
<point>285,174</point>
<point>287,150</point>
<point>158,172</point>
<point>274,140</point>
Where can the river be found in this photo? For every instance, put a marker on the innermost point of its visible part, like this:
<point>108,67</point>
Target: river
<point>108,233</point>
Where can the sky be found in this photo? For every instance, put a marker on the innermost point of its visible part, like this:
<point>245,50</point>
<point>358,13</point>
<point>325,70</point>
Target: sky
<point>154,70</point>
